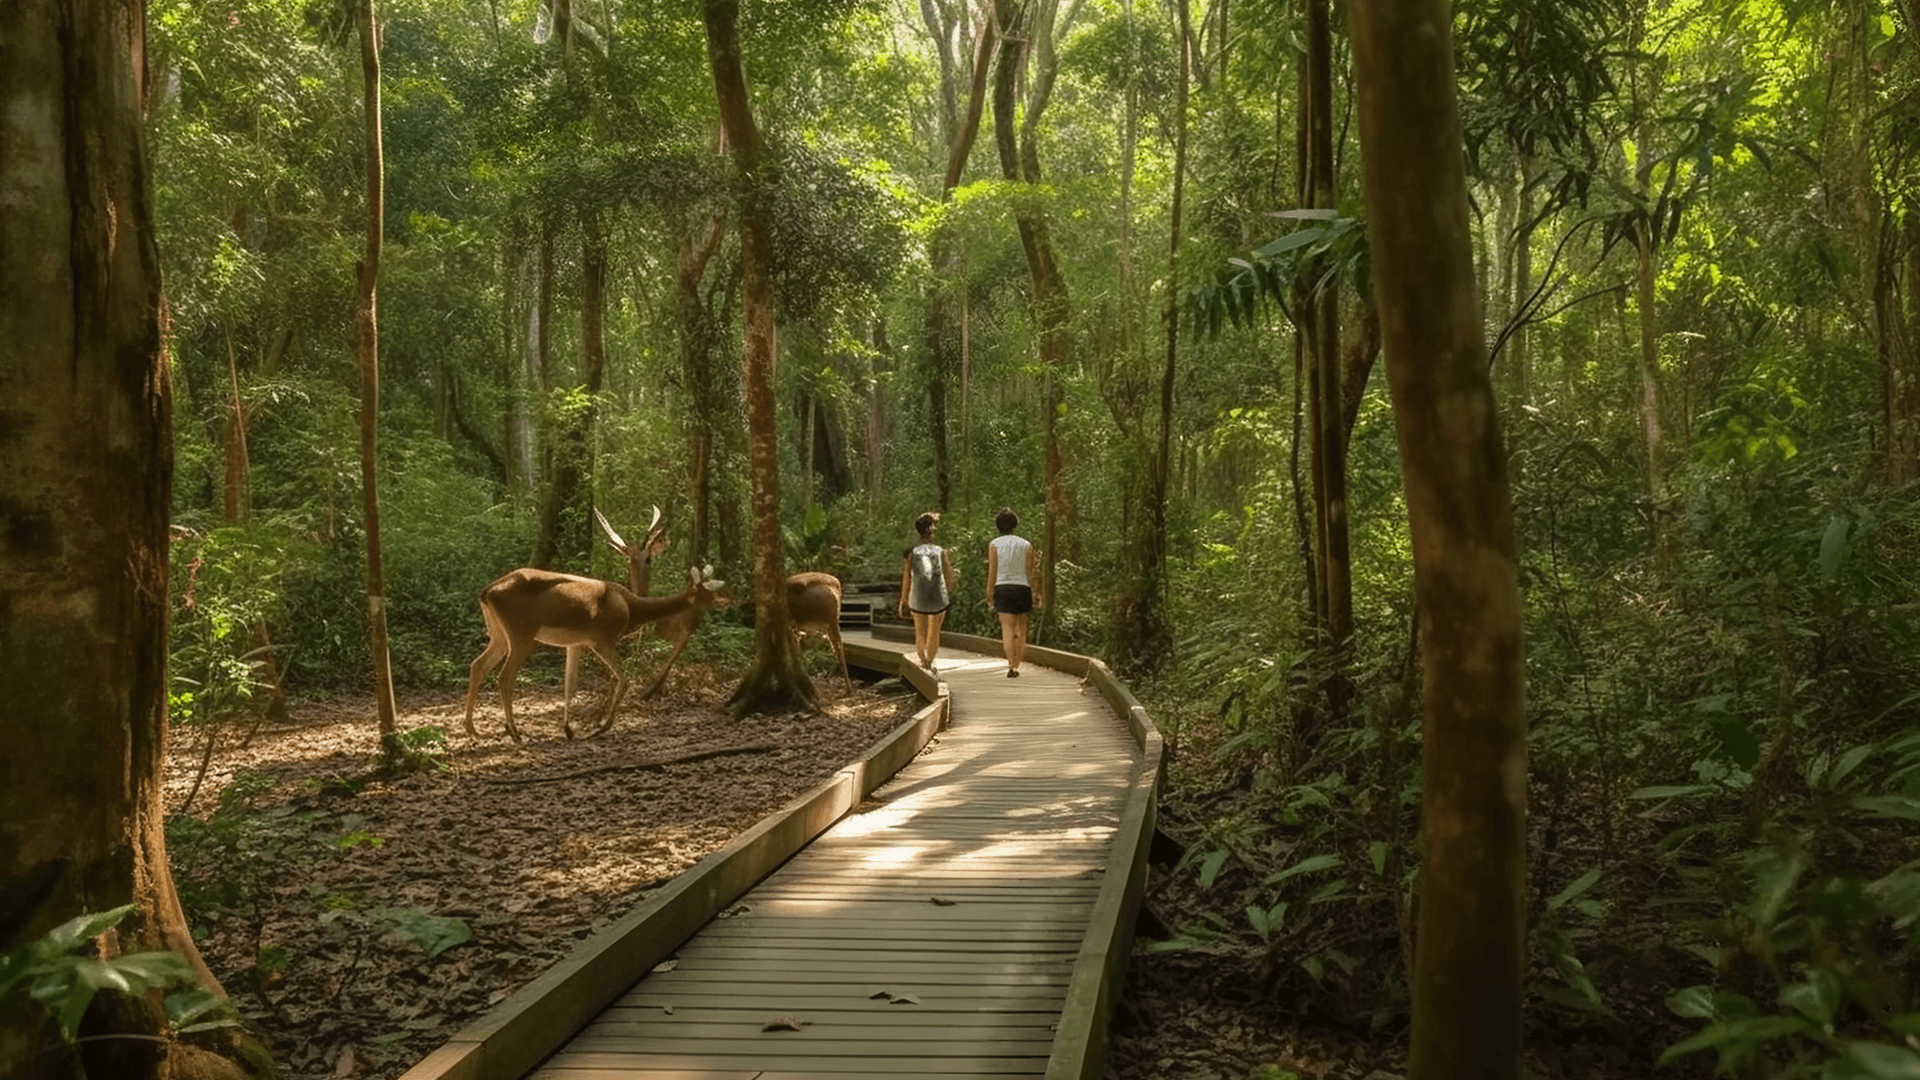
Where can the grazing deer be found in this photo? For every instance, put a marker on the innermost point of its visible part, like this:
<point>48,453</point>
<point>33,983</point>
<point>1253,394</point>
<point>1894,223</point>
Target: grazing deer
<point>531,607</point>
<point>813,604</point>
<point>675,629</point>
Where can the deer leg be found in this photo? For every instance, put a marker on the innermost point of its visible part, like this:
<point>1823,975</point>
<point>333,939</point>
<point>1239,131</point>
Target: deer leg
<point>661,679</point>
<point>840,653</point>
<point>509,675</point>
<point>488,659</point>
<point>612,659</point>
<point>566,703</point>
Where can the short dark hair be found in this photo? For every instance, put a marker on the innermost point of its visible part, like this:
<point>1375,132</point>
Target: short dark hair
<point>1006,519</point>
<point>925,522</point>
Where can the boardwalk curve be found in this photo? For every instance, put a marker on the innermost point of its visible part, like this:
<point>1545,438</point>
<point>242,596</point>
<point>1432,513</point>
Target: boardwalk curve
<point>970,919</point>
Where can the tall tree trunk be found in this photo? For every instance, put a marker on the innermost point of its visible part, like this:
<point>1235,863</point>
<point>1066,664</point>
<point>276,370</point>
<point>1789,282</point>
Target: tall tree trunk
<point>1877,236</point>
<point>1652,427</point>
<point>86,494</point>
<point>1328,437</point>
<point>236,505</point>
<point>693,253</point>
<point>1143,639</point>
<point>1018,144</point>
<point>571,447</point>
<point>775,681</point>
<point>367,344</point>
<point>1646,270</point>
<point>546,542</point>
<point>1470,956</point>
<point>959,130</point>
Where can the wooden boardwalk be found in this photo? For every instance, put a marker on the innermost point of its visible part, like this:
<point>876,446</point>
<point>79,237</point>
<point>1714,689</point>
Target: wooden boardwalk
<point>930,934</point>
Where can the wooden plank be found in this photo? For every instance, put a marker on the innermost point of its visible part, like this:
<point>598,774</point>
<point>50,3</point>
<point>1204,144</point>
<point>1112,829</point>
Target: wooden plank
<point>928,935</point>
<point>919,908</point>
<point>854,972</point>
<point>855,999</point>
<point>789,1047</point>
<point>670,1073</point>
<point>842,1066</point>
<point>822,949</point>
<point>880,1015</point>
<point>857,982</point>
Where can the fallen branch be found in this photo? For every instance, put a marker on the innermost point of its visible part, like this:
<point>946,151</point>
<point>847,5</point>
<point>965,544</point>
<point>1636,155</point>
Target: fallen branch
<point>657,763</point>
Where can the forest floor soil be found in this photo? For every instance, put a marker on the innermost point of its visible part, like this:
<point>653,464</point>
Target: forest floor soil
<point>323,886</point>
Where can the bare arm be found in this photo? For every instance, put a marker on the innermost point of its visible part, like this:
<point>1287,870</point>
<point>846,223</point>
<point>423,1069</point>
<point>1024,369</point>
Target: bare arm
<point>993,569</point>
<point>953,575</point>
<point>904,571</point>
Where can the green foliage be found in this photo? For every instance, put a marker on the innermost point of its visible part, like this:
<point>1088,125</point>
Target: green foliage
<point>57,974</point>
<point>222,863</point>
<point>226,596</point>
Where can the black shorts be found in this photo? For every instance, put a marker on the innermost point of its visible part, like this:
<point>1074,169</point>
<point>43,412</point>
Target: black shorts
<point>1012,599</point>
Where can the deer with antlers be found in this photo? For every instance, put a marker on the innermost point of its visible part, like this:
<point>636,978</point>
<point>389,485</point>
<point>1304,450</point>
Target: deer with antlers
<point>527,608</point>
<point>813,603</point>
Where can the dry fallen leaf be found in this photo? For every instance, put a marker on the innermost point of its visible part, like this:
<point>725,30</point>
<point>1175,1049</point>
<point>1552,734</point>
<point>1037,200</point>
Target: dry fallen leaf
<point>668,1009</point>
<point>665,966</point>
<point>345,1065</point>
<point>903,999</point>
<point>784,1023</point>
<point>939,902</point>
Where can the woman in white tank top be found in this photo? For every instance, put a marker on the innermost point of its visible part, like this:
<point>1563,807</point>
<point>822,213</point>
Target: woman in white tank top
<point>1013,579</point>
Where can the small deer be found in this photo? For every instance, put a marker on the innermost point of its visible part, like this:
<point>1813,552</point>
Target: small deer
<point>528,607</point>
<point>674,629</point>
<point>813,604</point>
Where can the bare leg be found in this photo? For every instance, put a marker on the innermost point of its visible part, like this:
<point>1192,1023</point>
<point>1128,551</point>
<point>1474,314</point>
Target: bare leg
<point>1006,641</point>
<point>1019,647</point>
<point>933,636</point>
<point>920,638</point>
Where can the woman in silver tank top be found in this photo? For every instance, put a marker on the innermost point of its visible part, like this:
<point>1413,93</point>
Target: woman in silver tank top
<point>927,581</point>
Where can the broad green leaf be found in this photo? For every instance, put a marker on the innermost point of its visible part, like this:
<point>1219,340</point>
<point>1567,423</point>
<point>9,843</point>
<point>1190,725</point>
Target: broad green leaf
<point>1848,762</point>
<point>1580,885</point>
<point>1379,849</point>
<point>1694,1002</point>
<point>1752,1029</point>
<point>1833,546</point>
<point>1817,999</point>
<point>431,934</point>
<point>1883,1062</point>
<point>1211,865</point>
<point>74,933</point>
<point>1669,791</point>
<point>1304,866</point>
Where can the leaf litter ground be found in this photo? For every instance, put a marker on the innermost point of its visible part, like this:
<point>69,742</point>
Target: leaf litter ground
<point>532,847</point>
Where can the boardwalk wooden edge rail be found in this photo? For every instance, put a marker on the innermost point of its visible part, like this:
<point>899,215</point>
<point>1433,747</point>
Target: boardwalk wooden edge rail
<point>513,1038</point>
<point>1079,1046</point>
